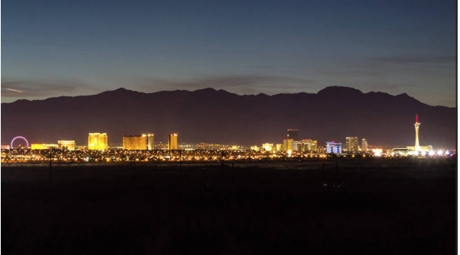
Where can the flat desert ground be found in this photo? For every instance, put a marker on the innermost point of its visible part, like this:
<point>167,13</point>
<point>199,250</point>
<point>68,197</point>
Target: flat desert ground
<point>334,206</point>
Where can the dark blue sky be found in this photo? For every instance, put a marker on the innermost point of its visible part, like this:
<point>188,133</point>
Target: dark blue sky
<point>55,47</point>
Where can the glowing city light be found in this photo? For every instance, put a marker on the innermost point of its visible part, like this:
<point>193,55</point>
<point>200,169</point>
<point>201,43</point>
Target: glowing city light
<point>19,137</point>
<point>97,141</point>
<point>377,152</point>
<point>137,148</point>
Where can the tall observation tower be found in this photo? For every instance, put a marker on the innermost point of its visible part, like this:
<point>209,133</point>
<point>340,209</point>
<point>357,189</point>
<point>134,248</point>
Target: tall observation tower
<point>417,126</point>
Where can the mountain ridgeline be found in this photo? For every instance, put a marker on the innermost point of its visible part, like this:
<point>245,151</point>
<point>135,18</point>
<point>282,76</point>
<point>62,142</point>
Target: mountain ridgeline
<point>217,116</point>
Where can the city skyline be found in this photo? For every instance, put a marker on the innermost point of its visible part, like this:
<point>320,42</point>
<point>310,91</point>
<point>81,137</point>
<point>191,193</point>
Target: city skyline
<point>290,144</point>
<point>145,142</point>
<point>211,116</point>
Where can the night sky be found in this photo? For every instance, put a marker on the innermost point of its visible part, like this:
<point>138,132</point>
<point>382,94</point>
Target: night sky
<point>55,47</point>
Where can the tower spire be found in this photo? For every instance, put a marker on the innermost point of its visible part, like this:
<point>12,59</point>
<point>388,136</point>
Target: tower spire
<point>417,126</point>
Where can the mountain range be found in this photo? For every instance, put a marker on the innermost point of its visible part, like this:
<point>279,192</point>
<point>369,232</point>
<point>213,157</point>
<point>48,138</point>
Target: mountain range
<point>218,116</point>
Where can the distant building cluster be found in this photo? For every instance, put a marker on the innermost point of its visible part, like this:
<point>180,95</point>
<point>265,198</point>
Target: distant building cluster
<point>351,147</point>
<point>62,144</point>
<point>290,145</point>
<point>417,149</point>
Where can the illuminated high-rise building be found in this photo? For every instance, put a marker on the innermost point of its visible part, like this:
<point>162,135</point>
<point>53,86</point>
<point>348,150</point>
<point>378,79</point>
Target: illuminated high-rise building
<point>150,141</point>
<point>310,145</point>
<point>334,147</point>
<point>364,145</point>
<point>67,144</point>
<point>138,142</point>
<point>417,126</point>
<point>295,145</point>
<point>314,145</point>
<point>287,144</point>
<point>97,141</point>
<point>352,144</point>
<point>279,147</point>
<point>172,141</point>
<point>134,142</point>
<point>293,134</point>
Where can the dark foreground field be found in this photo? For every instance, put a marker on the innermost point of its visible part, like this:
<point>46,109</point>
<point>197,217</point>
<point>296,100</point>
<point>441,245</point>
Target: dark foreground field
<point>367,206</point>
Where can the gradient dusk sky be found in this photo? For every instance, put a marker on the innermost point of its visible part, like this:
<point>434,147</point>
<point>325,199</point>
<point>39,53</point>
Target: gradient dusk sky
<point>56,47</point>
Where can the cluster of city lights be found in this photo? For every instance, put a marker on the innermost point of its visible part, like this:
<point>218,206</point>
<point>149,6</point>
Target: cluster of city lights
<point>427,153</point>
<point>44,156</point>
<point>139,148</point>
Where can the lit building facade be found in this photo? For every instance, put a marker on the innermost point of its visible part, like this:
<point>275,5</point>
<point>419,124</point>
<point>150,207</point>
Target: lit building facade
<point>37,146</point>
<point>310,145</point>
<point>293,134</point>
<point>67,144</point>
<point>279,147</point>
<point>287,144</point>
<point>43,146</point>
<point>138,142</point>
<point>134,142</point>
<point>267,146</point>
<point>172,141</point>
<point>150,141</point>
<point>97,141</point>
<point>364,145</point>
<point>334,147</point>
<point>295,145</point>
<point>352,144</point>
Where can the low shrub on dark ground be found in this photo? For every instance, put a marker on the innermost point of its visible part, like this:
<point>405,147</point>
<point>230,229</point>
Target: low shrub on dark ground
<point>400,208</point>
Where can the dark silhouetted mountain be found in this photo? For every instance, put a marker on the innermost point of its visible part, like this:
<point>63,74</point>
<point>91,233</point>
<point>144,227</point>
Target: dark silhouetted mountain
<point>217,116</point>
